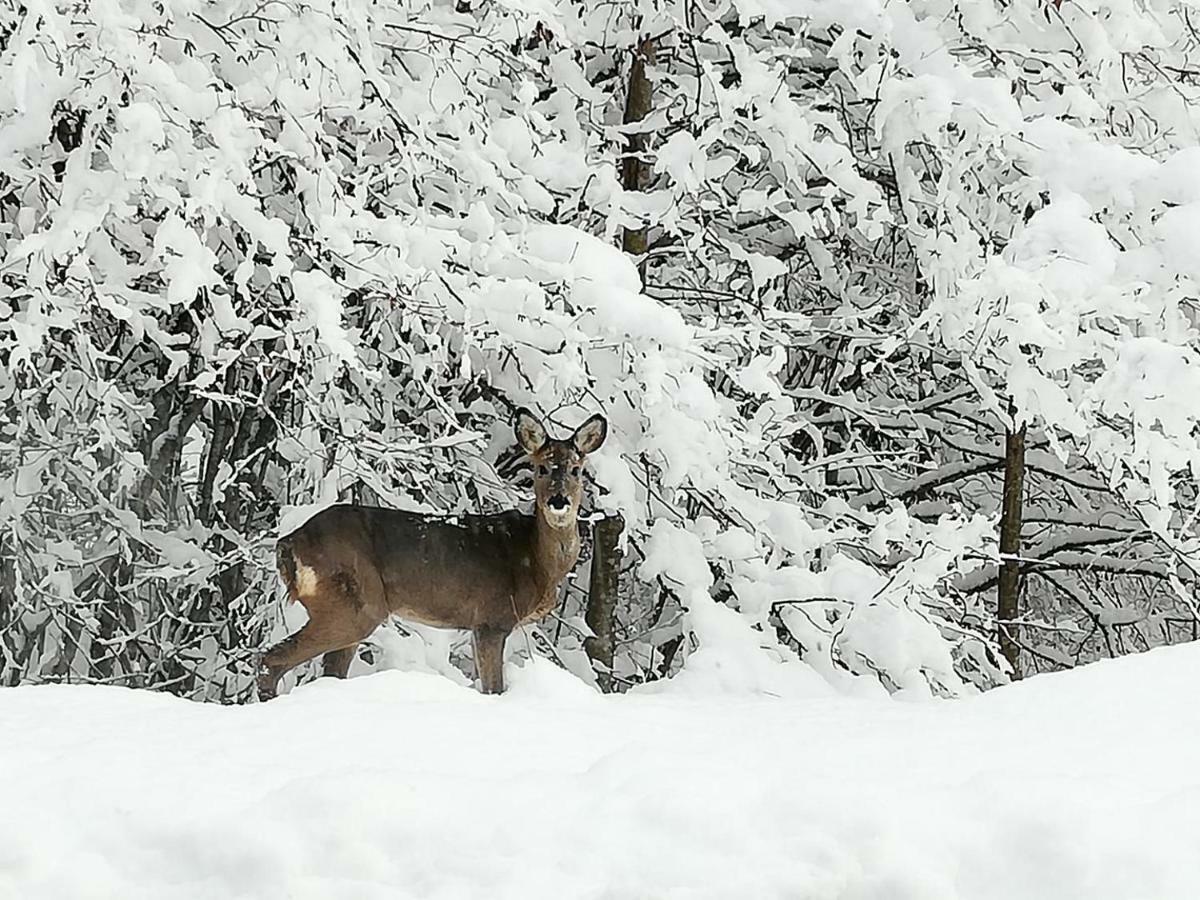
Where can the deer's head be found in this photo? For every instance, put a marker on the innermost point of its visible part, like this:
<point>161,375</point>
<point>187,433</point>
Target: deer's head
<point>558,464</point>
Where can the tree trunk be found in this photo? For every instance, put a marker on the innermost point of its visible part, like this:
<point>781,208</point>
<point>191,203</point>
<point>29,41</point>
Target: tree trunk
<point>1008,590</point>
<point>602,596</point>
<point>606,556</point>
<point>634,170</point>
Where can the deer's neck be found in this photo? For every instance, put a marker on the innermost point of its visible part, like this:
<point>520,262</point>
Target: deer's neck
<point>555,550</point>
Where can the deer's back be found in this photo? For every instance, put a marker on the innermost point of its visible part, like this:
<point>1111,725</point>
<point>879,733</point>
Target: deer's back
<point>459,572</point>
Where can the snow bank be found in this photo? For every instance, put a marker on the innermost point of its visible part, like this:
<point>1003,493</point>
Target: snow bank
<point>396,785</point>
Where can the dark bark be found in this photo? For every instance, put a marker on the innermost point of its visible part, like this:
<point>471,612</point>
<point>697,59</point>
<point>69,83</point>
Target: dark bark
<point>668,651</point>
<point>634,169</point>
<point>1008,591</point>
<point>602,596</point>
<point>606,533</point>
<point>175,414</point>
<point>16,640</point>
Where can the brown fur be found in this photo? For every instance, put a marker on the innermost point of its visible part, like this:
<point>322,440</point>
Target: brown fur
<point>285,563</point>
<point>353,566</point>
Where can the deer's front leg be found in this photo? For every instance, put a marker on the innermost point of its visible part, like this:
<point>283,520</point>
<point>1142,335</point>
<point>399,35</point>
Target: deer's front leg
<point>489,658</point>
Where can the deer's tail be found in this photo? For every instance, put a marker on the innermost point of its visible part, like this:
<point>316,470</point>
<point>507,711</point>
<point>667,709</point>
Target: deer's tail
<point>285,562</point>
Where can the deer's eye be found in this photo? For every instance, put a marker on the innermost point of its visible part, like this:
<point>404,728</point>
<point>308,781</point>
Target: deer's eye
<point>574,470</point>
<point>543,470</point>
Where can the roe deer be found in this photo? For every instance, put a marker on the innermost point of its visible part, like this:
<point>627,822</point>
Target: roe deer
<point>353,566</point>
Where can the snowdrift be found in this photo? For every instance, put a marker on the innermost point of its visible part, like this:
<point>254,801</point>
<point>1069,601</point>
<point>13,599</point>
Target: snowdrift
<point>399,785</point>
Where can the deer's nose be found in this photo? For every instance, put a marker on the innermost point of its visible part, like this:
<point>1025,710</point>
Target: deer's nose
<point>558,503</point>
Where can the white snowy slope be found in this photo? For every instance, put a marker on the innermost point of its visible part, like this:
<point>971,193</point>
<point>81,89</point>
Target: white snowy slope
<point>397,785</point>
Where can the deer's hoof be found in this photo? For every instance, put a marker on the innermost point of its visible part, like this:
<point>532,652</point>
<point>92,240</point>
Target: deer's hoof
<point>267,687</point>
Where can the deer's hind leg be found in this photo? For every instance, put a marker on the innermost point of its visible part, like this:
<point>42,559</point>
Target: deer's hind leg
<point>337,662</point>
<point>342,610</point>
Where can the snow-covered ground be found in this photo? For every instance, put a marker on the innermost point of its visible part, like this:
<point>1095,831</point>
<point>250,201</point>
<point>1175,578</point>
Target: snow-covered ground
<point>395,785</point>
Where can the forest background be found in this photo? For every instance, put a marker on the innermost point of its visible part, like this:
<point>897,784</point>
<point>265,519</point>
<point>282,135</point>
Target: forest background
<point>891,306</point>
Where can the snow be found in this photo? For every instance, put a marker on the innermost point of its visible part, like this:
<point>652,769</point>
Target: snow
<point>1077,785</point>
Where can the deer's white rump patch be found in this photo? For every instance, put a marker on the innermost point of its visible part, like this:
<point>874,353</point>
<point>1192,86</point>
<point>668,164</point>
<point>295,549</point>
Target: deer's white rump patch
<point>306,579</point>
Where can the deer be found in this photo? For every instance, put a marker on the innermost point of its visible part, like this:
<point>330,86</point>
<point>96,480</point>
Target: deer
<point>354,566</point>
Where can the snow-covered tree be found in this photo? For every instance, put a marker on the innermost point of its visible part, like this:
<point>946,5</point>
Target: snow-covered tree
<point>813,260</point>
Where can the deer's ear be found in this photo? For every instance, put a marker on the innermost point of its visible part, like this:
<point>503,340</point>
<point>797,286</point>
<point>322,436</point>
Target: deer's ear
<point>590,435</point>
<point>530,433</point>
